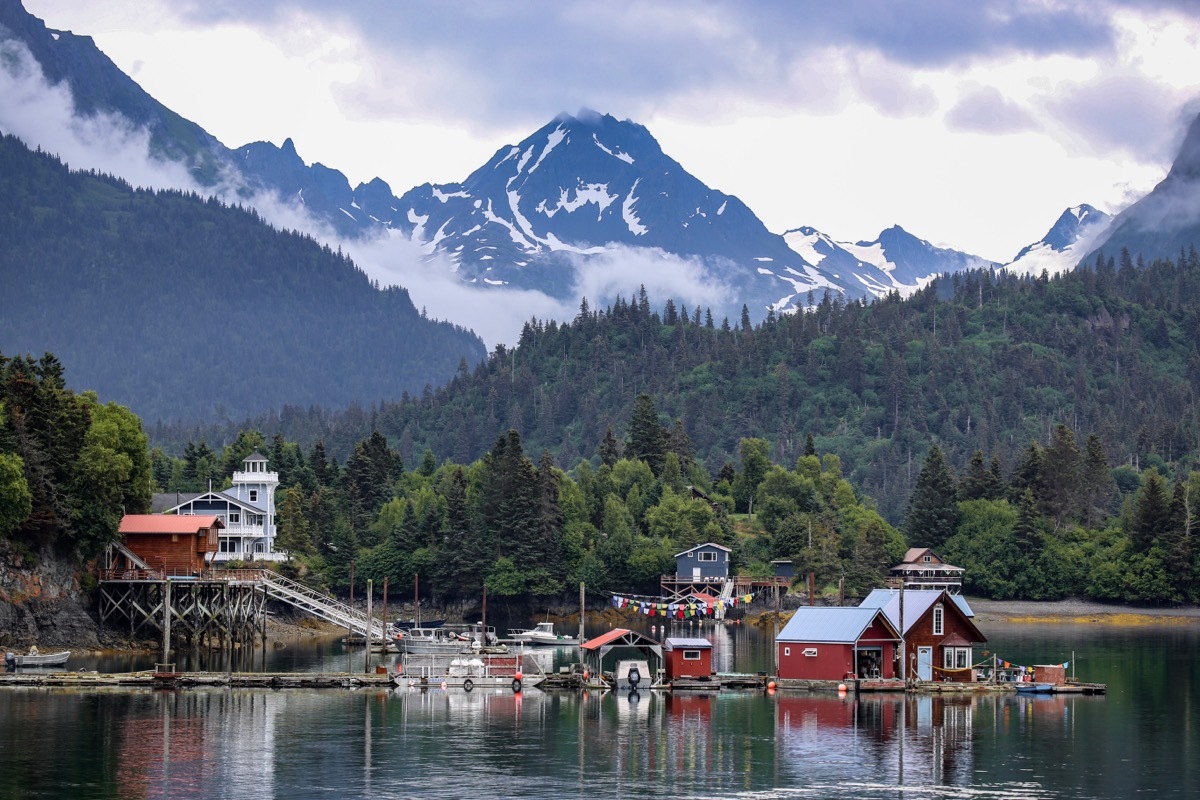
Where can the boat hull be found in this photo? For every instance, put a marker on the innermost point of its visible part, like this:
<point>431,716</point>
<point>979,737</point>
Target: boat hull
<point>42,659</point>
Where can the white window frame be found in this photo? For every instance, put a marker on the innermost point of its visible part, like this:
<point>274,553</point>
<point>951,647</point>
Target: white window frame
<point>787,651</point>
<point>939,620</point>
<point>235,516</point>
<point>254,495</point>
<point>691,655</point>
<point>706,555</point>
<point>956,657</point>
<point>811,652</point>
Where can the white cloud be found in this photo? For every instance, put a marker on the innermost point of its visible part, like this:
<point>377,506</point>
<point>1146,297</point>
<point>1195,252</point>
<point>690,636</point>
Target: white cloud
<point>43,115</point>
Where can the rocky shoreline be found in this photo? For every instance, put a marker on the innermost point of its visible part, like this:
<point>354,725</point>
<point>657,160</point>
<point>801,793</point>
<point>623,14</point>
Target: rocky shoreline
<point>1076,610</point>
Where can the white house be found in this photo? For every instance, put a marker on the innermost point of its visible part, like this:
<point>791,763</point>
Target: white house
<point>246,509</point>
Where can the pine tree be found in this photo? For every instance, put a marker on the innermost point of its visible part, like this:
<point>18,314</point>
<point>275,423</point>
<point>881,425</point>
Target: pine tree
<point>932,509</point>
<point>646,441</point>
<point>979,483</point>
<point>1097,484</point>
<point>1151,520</point>
<point>610,448</point>
<point>1026,475</point>
<point>1059,476</point>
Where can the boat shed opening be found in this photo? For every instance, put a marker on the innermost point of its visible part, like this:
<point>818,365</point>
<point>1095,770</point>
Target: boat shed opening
<point>595,651</point>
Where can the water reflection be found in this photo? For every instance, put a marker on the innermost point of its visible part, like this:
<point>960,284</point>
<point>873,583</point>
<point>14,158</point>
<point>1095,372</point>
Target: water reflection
<point>409,742</point>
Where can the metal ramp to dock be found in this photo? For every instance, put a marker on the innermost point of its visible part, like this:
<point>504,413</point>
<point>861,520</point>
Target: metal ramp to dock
<point>321,605</point>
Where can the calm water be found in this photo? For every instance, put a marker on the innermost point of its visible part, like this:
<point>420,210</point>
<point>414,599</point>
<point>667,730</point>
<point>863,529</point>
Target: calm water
<point>1143,739</point>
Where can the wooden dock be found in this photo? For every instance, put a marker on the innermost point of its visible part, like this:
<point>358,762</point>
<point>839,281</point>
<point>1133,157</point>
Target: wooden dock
<point>172,680</point>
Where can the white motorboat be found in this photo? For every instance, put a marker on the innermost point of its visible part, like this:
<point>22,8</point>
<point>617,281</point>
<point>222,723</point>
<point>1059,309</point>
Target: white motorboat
<point>542,635</point>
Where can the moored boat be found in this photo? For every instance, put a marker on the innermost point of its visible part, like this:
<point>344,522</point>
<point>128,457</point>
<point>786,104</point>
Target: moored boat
<point>467,671</point>
<point>542,635</point>
<point>35,659</point>
<point>449,639</point>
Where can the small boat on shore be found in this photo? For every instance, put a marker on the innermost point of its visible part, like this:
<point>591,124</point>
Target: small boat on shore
<point>35,659</point>
<point>541,635</point>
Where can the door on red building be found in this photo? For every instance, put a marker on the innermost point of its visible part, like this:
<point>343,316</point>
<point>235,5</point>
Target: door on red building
<point>925,663</point>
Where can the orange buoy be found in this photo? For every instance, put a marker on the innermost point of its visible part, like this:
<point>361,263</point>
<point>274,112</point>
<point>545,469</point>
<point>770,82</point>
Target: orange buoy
<point>771,684</point>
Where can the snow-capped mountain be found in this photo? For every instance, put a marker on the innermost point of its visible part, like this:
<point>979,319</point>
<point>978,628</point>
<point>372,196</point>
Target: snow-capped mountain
<point>895,261</point>
<point>589,185</point>
<point>583,191</point>
<point>1064,245</point>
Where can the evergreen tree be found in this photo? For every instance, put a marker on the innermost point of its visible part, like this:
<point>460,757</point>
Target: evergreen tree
<point>1026,475</point>
<point>646,440</point>
<point>1060,476</point>
<point>292,532</point>
<point>610,448</point>
<point>932,510</point>
<point>1151,520</point>
<point>755,463</point>
<point>979,482</point>
<point>1097,484</point>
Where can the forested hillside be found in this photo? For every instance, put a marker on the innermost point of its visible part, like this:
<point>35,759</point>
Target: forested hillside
<point>185,308</point>
<point>976,363</point>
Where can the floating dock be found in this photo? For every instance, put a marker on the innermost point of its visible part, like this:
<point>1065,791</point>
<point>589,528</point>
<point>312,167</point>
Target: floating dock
<point>171,680</point>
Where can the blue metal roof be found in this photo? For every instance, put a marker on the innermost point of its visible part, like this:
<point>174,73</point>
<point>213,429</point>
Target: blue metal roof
<point>837,624</point>
<point>672,642</point>
<point>916,603</point>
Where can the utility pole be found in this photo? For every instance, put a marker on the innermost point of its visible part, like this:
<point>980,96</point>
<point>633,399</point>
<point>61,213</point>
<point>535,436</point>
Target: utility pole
<point>582,609</point>
<point>370,628</point>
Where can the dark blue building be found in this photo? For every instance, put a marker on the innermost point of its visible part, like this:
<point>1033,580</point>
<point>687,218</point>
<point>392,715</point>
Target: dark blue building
<point>703,562</point>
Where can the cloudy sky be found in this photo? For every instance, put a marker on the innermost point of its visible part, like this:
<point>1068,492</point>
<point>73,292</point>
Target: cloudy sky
<point>971,123</point>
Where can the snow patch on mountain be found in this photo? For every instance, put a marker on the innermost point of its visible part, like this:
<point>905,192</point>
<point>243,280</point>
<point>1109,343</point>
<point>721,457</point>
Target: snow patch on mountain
<point>1077,230</point>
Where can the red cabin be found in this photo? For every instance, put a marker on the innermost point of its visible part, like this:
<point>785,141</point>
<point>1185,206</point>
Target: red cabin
<point>833,644</point>
<point>939,632</point>
<point>688,658</point>
<point>176,544</point>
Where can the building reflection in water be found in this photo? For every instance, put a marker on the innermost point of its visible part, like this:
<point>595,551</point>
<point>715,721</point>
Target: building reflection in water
<point>918,740</point>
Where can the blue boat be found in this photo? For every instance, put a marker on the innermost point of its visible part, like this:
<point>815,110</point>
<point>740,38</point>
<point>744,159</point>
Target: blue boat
<point>1036,688</point>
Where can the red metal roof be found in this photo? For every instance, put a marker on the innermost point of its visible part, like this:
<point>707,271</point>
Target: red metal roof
<point>604,638</point>
<point>167,523</point>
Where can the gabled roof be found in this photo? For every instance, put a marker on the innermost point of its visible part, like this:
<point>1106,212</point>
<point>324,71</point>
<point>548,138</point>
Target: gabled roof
<point>167,523</point>
<point>834,625</point>
<point>913,557</point>
<point>618,637</point>
<point>245,505</point>
<point>913,553</point>
<point>917,603</point>
<point>165,501</point>
<point>706,544</point>
<point>672,642</point>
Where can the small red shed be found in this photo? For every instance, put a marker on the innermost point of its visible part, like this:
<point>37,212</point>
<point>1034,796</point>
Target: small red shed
<point>837,643</point>
<point>687,658</point>
<point>177,544</point>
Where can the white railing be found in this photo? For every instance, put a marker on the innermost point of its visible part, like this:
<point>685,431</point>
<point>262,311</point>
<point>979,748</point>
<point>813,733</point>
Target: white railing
<point>321,605</point>
<point>255,477</point>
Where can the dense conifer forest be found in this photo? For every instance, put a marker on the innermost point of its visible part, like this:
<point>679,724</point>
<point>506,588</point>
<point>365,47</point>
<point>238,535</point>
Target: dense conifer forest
<point>975,362</point>
<point>187,308</point>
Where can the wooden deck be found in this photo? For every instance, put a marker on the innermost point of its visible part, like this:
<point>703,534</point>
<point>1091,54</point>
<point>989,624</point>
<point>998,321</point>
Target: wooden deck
<point>152,679</point>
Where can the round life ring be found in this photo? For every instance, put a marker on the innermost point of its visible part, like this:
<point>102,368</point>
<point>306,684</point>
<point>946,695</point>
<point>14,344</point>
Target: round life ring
<point>516,685</point>
<point>468,685</point>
